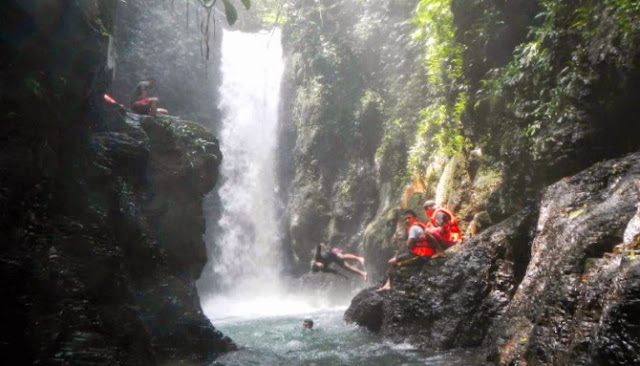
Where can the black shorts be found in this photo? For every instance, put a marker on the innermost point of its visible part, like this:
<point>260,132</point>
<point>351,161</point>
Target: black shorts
<point>332,257</point>
<point>337,260</point>
<point>409,259</point>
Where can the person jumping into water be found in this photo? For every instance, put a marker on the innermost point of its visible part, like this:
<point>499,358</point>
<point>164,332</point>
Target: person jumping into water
<point>324,257</point>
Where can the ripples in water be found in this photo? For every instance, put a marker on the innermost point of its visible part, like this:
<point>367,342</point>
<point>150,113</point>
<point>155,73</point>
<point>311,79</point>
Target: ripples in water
<point>282,341</point>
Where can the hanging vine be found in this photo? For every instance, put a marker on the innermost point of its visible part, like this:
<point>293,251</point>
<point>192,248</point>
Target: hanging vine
<point>209,6</point>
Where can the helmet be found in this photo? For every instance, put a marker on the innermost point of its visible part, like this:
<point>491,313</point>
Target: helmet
<point>428,204</point>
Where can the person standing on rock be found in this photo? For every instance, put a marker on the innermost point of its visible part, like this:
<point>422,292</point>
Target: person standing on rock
<point>141,103</point>
<point>420,243</point>
<point>442,225</point>
<point>324,257</point>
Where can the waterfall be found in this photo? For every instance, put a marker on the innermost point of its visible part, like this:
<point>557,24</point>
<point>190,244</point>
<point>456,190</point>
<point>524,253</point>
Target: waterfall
<point>252,68</point>
<point>246,239</point>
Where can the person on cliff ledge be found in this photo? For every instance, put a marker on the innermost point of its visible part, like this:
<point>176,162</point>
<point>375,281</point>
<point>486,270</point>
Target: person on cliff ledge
<point>142,103</point>
<point>421,245</point>
<point>324,257</point>
<point>442,225</point>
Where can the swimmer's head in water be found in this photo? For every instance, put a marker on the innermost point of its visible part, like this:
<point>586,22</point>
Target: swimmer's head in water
<point>307,324</point>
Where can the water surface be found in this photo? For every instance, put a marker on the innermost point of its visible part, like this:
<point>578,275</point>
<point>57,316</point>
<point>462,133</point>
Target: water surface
<point>281,340</point>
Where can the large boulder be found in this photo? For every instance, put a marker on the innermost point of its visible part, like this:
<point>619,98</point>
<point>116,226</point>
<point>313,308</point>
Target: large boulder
<point>576,301</point>
<point>368,312</point>
<point>102,269</point>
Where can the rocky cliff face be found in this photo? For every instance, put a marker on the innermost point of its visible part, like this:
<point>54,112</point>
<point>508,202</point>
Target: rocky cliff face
<point>555,284</point>
<point>101,219</point>
<point>104,270</point>
<point>345,61</point>
<point>538,88</point>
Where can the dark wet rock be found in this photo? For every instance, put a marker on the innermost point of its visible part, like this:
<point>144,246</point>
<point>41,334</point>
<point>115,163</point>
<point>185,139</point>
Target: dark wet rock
<point>576,294</point>
<point>480,221</point>
<point>101,267</point>
<point>368,313</point>
<point>100,211</point>
<point>617,339</point>
<point>543,287</point>
<point>450,301</point>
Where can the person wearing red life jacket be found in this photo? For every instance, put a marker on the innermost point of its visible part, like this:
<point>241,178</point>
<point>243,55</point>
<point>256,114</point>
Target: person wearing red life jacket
<point>442,224</point>
<point>420,244</point>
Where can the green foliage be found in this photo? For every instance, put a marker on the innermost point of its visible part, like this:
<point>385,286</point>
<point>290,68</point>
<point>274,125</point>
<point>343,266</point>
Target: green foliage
<point>370,99</point>
<point>98,26</point>
<point>439,129</point>
<point>588,19</point>
<point>348,185</point>
<point>391,154</point>
<point>435,29</point>
<point>271,12</point>
<point>49,89</point>
<point>625,11</point>
<point>392,132</point>
<point>230,12</point>
<point>541,86</point>
<point>34,86</point>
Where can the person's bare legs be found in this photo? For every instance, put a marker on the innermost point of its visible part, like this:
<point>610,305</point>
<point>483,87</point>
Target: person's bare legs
<point>392,268</point>
<point>349,267</point>
<point>354,257</point>
<point>386,286</point>
<point>153,110</point>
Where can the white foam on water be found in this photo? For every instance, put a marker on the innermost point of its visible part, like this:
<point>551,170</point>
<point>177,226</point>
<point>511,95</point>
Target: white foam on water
<point>230,308</point>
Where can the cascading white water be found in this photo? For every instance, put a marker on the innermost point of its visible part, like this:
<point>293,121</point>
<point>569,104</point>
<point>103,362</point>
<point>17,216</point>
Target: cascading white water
<point>252,68</point>
<point>248,260</point>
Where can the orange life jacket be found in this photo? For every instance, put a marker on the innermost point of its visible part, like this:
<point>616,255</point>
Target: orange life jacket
<point>452,231</point>
<point>422,245</point>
